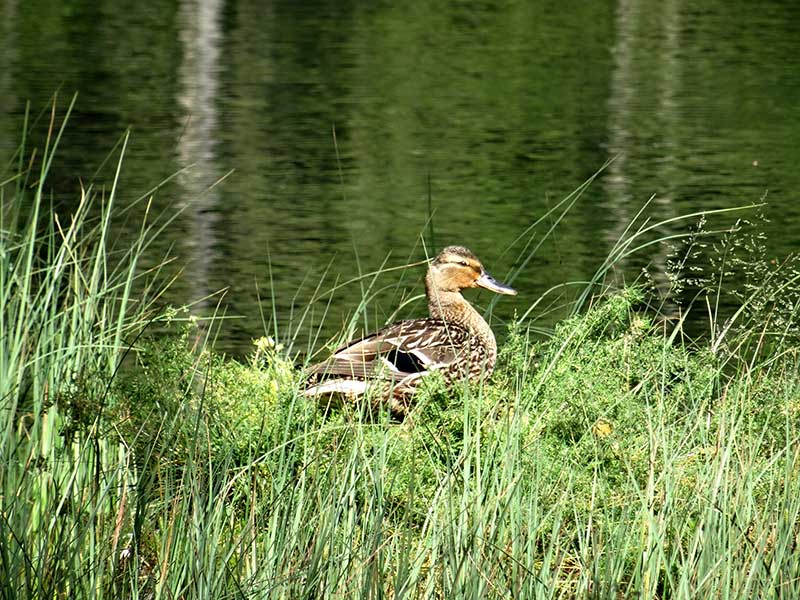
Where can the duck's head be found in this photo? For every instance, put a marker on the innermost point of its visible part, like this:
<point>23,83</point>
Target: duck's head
<point>456,268</point>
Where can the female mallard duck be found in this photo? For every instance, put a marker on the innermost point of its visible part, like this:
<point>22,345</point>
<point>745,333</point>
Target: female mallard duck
<point>455,340</point>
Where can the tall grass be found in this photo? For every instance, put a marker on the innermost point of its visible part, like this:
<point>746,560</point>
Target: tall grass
<point>67,310</point>
<point>615,459</point>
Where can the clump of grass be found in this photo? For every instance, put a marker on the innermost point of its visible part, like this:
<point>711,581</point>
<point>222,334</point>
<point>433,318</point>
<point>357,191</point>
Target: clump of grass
<point>601,461</point>
<point>67,311</point>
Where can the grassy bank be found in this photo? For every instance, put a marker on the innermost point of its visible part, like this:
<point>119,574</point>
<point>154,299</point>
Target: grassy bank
<point>617,458</point>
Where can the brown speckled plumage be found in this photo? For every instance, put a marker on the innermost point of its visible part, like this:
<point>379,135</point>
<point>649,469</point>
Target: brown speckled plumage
<point>455,340</point>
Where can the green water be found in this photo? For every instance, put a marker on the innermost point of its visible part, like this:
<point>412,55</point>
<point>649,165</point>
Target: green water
<point>355,128</point>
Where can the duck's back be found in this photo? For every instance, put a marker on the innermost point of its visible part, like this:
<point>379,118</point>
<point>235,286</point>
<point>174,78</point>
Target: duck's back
<point>400,353</point>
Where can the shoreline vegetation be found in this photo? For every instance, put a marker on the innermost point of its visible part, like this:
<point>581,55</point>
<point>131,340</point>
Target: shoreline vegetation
<point>614,458</point>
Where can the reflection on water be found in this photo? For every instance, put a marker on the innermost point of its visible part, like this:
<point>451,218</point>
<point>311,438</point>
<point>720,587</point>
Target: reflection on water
<point>658,73</point>
<point>197,146</point>
<point>8,56</point>
<point>495,111</point>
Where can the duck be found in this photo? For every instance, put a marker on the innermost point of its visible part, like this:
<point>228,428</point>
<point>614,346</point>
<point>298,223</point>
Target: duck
<point>389,365</point>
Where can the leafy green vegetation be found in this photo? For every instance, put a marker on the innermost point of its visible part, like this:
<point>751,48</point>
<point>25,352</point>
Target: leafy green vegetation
<point>614,458</point>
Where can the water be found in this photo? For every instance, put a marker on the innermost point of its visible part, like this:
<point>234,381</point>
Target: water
<point>355,128</point>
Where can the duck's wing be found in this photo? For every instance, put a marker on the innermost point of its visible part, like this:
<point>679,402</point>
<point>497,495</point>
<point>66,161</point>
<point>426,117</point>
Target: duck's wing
<point>400,352</point>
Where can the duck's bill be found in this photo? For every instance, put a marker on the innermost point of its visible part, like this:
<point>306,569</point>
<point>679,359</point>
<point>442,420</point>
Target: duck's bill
<point>490,283</point>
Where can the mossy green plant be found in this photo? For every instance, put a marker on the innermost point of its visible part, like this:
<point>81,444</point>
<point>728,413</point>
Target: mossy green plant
<point>608,424</point>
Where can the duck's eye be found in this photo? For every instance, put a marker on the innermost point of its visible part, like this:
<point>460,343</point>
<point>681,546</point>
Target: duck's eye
<point>463,263</point>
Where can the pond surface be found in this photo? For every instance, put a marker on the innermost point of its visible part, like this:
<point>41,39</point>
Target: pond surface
<point>362,135</point>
